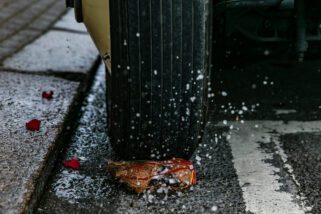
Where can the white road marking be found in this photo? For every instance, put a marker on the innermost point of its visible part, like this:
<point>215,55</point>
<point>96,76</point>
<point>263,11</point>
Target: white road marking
<point>258,179</point>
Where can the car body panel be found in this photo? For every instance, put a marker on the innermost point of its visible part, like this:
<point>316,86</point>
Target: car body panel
<point>97,21</point>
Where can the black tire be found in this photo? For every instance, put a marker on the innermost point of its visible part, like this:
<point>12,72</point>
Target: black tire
<point>78,11</point>
<point>158,96</point>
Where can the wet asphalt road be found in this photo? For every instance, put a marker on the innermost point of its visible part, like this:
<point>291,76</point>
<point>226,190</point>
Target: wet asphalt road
<point>92,190</point>
<point>249,97</point>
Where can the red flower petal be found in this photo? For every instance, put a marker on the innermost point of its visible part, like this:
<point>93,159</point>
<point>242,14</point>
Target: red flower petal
<point>33,125</point>
<point>47,95</point>
<point>73,163</point>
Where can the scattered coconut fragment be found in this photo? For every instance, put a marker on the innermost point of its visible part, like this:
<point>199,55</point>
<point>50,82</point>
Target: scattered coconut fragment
<point>176,174</point>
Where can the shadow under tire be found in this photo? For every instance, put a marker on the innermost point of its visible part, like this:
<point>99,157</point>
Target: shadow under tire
<point>158,87</point>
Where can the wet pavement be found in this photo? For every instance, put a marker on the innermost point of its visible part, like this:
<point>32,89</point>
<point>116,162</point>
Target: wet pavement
<point>23,21</point>
<point>27,158</point>
<point>25,155</point>
<point>91,189</point>
<point>260,152</point>
<point>303,151</point>
<point>55,52</point>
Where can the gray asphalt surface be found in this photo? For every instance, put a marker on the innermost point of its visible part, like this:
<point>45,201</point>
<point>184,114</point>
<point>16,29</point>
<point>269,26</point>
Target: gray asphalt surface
<point>92,190</point>
<point>304,153</point>
<point>278,88</point>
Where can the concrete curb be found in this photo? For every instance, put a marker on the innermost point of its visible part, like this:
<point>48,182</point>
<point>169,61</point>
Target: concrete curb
<point>32,70</point>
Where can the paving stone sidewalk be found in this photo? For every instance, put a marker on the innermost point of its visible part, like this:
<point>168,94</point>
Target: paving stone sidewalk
<point>42,48</point>
<point>22,21</point>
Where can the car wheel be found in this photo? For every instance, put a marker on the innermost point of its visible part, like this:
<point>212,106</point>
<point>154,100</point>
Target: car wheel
<point>158,84</point>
